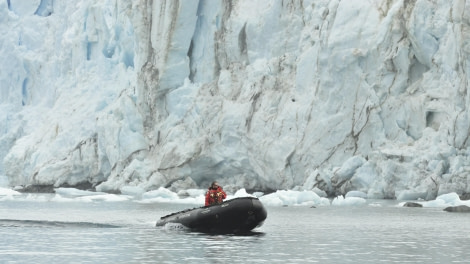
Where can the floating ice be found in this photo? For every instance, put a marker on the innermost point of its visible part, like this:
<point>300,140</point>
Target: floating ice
<point>444,200</point>
<point>8,191</point>
<point>356,194</point>
<point>286,198</point>
<point>75,192</point>
<point>349,201</point>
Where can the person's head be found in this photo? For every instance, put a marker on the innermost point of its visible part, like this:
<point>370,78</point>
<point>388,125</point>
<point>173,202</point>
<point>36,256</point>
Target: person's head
<point>214,185</point>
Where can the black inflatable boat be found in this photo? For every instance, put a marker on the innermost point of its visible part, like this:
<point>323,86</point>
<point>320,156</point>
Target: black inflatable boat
<point>238,215</point>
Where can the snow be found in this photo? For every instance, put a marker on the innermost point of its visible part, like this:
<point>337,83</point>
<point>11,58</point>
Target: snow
<point>349,99</point>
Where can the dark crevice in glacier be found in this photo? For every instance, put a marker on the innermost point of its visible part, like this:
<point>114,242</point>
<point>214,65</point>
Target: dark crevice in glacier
<point>242,45</point>
<point>45,8</point>
<point>254,106</point>
<point>192,69</point>
<point>89,48</point>
<point>434,119</point>
<point>196,34</point>
<point>25,92</point>
<point>221,59</point>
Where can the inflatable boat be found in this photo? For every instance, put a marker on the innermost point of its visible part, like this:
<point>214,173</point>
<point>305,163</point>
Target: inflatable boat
<point>238,215</point>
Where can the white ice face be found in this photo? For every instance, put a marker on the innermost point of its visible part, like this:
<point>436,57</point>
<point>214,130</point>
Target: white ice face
<point>332,96</point>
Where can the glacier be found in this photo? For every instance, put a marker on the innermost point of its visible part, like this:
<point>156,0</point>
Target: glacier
<point>333,96</point>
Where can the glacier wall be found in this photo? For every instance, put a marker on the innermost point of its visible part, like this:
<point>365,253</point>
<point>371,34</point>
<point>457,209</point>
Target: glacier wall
<point>327,95</point>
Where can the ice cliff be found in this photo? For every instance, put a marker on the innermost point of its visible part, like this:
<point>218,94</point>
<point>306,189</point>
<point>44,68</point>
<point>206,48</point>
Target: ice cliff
<point>330,95</point>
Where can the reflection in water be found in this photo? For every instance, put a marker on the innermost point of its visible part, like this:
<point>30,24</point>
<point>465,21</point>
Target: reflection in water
<point>173,246</point>
<point>226,248</point>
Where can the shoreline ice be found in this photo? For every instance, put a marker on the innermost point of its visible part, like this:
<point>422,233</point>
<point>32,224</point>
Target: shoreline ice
<point>196,197</point>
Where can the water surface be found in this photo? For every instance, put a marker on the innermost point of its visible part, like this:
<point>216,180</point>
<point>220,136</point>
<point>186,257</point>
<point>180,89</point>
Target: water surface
<point>124,232</point>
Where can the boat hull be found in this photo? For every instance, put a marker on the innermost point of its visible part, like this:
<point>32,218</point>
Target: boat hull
<point>232,216</point>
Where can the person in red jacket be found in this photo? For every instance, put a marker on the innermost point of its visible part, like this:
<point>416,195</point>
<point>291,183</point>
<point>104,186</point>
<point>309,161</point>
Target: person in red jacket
<point>215,194</point>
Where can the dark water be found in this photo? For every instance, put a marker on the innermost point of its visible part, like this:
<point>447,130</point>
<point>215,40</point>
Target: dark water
<point>124,232</point>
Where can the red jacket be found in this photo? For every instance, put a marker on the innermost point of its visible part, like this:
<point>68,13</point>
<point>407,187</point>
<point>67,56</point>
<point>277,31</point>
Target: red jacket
<point>215,196</point>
